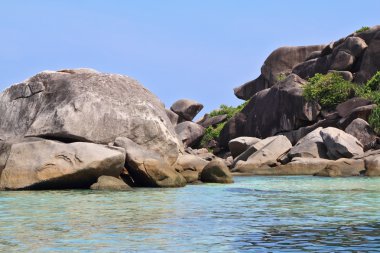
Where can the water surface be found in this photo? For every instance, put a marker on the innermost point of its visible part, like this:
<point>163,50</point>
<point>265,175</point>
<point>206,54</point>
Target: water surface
<point>256,214</point>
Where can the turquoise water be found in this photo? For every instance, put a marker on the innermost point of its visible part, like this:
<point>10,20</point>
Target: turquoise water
<point>256,214</point>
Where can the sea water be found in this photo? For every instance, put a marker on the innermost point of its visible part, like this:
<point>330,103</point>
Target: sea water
<point>255,214</point>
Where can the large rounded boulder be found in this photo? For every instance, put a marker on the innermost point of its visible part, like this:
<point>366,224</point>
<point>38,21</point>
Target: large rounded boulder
<point>85,105</point>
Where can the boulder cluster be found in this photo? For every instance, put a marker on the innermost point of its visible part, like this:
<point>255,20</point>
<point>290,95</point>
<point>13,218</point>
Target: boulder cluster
<point>84,129</point>
<point>78,128</point>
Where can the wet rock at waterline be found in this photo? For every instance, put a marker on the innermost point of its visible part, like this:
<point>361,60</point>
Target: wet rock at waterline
<point>107,183</point>
<point>55,165</point>
<point>148,168</point>
<point>216,171</point>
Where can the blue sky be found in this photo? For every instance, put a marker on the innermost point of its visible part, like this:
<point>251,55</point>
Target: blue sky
<point>198,49</point>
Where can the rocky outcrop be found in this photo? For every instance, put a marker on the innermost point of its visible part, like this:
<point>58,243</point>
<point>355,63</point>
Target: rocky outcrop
<point>55,165</point>
<point>186,108</point>
<point>360,129</point>
<point>212,121</point>
<point>189,133</point>
<point>340,144</point>
<point>241,144</point>
<point>372,165</point>
<point>85,105</point>
<point>279,63</point>
<point>266,156</point>
<point>343,168</point>
<point>148,168</point>
<point>190,166</point>
<point>272,111</point>
<point>216,172</point>
<point>370,61</point>
<point>310,146</point>
<point>107,183</point>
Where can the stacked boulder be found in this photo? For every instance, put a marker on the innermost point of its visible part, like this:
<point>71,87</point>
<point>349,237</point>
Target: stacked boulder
<point>276,103</point>
<point>323,152</point>
<point>79,128</point>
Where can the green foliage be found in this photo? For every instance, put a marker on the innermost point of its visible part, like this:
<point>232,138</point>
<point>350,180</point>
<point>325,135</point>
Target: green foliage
<point>363,29</point>
<point>374,82</point>
<point>229,110</point>
<point>213,133</point>
<point>281,77</point>
<point>328,90</point>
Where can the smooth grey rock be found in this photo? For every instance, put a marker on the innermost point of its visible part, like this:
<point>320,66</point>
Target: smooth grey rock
<point>344,109</point>
<point>370,62</point>
<point>216,172</point>
<point>283,59</point>
<point>342,61</point>
<point>272,111</point>
<point>84,105</point>
<point>148,168</point>
<point>173,117</point>
<point>252,149</point>
<point>313,55</point>
<point>189,133</point>
<point>343,168</point>
<point>190,162</point>
<point>360,129</point>
<point>55,165</point>
<point>186,108</point>
<point>241,144</point>
<point>248,89</point>
<point>372,165</point>
<point>266,156</point>
<point>352,45</point>
<point>340,144</point>
<point>310,146</point>
<point>107,183</point>
<point>346,75</point>
<point>212,121</point>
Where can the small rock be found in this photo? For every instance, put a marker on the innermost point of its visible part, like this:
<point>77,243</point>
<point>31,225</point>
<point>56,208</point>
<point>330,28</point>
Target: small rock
<point>216,172</point>
<point>340,144</point>
<point>110,184</point>
<point>186,108</point>
<point>360,129</point>
<point>241,144</point>
<point>189,133</point>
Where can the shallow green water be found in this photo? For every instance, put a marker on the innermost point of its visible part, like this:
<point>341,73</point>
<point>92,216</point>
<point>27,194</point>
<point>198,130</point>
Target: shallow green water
<point>256,214</point>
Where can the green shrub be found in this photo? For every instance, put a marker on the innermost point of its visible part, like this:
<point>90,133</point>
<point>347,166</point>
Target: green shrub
<point>229,110</point>
<point>363,29</point>
<point>374,82</point>
<point>328,90</point>
<point>213,133</point>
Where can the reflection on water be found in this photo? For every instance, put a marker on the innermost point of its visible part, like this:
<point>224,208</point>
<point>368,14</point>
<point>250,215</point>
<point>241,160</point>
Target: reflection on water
<point>260,214</point>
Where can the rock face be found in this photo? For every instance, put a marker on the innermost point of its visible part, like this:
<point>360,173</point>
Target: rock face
<point>55,165</point>
<point>266,156</point>
<point>272,111</point>
<point>212,121</point>
<point>310,146</point>
<point>190,167</point>
<point>84,105</point>
<point>340,144</point>
<point>343,168</point>
<point>108,183</point>
<point>148,168</point>
<point>189,133</point>
<point>216,172</point>
<point>372,165</point>
<point>279,62</point>
<point>370,62</point>
<point>241,144</point>
<point>186,108</point>
<point>360,129</point>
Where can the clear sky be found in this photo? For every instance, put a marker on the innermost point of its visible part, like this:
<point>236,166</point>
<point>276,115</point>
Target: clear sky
<point>198,49</point>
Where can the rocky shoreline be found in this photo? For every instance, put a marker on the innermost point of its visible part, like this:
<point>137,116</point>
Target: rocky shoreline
<point>78,128</point>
